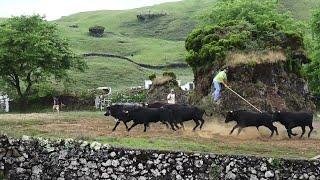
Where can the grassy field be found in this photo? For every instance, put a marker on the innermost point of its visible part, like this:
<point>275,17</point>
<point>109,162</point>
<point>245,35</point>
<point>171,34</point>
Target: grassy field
<point>93,126</point>
<point>160,41</point>
<point>118,73</point>
<point>301,9</point>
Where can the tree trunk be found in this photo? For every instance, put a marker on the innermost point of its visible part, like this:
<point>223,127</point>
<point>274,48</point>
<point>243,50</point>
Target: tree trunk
<point>23,104</point>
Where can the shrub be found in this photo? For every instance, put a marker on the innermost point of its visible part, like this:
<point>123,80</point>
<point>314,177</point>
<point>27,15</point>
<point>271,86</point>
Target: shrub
<point>152,77</point>
<point>170,74</point>
<point>149,16</point>
<point>74,26</point>
<point>132,97</point>
<point>96,31</point>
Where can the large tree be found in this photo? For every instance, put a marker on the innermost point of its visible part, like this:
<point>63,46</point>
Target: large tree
<point>31,52</point>
<point>312,70</point>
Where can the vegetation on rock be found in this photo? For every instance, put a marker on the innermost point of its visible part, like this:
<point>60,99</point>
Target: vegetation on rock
<point>152,77</point>
<point>252,29</point>
<point>170,74</point>
<point>241,25</point>
<point>312,70</point>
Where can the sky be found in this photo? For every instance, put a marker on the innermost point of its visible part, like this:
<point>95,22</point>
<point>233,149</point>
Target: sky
<point>54,9</point>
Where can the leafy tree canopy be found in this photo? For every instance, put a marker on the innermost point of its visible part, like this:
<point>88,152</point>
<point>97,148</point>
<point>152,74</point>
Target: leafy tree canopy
<point>31,52</point>
<point>312,70</point>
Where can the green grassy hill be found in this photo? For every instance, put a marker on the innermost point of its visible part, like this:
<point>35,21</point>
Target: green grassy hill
<point>158,41</point>
<point>301,9</point>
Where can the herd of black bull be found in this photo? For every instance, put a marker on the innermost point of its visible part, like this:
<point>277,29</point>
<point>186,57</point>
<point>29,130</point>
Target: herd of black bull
<point>176,114</point>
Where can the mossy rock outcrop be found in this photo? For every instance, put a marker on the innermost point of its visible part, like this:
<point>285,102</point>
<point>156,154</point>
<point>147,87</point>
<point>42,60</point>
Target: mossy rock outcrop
<point>161,87</point>
<point>269,85</point>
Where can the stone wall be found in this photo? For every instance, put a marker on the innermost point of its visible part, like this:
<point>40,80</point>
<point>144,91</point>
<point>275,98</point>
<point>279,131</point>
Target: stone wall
<point>149,66</point>
<point>28,158</point>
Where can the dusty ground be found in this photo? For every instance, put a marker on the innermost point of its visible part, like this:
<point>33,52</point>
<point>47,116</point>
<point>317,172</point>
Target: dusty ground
<point>213,138</point>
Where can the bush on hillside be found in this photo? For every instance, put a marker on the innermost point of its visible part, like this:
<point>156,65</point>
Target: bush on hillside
<point>74,26</point>
<point>170,74</point>
<point>152,77</point>
<point>96,31</point>
<point>149,16</point>
<point>130,96</point>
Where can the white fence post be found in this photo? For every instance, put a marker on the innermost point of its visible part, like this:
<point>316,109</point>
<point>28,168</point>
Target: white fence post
<point>4,103</point>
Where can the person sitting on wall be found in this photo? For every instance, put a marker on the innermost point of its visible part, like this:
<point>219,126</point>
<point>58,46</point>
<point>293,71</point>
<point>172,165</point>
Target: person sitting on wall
<point>171,97</point>
<point>218,80</point>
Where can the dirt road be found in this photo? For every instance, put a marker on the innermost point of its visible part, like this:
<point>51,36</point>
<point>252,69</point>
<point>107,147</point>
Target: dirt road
<point>213,138</point>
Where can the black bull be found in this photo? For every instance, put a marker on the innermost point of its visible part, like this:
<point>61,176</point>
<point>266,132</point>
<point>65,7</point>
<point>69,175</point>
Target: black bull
<point>181,113</point>
<point>291,120</point>
<point>248,118</point>
<point>143,115</point>
<point>139,115</point>
<point>118,112</point>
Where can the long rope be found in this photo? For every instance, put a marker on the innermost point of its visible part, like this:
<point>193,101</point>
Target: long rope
<point>243,99</point>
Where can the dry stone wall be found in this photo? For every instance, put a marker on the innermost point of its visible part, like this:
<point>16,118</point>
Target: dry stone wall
<point>29,158</point>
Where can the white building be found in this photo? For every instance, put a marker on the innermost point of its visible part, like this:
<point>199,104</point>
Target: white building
<point>148,83</point>
<point>4,103</point>
<point>188,86</point>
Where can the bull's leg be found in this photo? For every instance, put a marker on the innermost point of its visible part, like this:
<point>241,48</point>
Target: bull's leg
<point>235,127</point>
<point>289,132</point>
<point>125,123</point>
<point>293,134</point>
<point>272,132</point>
<point>182,125</point>
<point>175,125</point>
<point>239,130</point>
<point>145,126</point>
<point>202,122</point>
<point>172,126</point>
<point>197,124</point>
<point>133,125</point>
<point>115,127</point>
<point>163,122</point>
<point>276,129</point>
<point>303,131</point>
<point>272,129</point>
<point>311,128</point>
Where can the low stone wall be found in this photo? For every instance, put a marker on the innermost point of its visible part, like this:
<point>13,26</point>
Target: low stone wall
<point>149,66</point>
<point>28,158</point>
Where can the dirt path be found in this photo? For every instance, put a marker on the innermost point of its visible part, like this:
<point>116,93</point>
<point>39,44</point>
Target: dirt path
<point>212,131</point>
<point>214,136</point>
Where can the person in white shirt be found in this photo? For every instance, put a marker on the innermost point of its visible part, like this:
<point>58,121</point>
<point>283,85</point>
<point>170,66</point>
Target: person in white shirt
<point>171,97</point>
